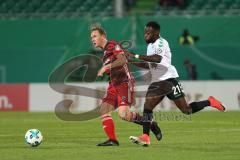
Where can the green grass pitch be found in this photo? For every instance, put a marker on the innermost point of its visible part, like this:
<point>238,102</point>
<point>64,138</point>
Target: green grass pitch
<point>206,135</point>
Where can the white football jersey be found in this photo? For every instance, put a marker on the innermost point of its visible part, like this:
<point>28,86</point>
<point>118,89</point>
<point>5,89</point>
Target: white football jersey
<point>163,70</point>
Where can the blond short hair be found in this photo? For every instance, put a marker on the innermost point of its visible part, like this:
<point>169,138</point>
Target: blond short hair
<point>98,27</point>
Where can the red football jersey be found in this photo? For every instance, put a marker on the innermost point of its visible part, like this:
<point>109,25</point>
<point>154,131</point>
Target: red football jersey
<point>118,74</point>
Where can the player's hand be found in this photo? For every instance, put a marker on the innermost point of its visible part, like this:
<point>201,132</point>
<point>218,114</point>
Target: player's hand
<point>101,71</point>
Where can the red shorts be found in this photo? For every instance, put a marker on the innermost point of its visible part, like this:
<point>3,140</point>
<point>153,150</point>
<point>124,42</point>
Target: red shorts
<point>120,95</point>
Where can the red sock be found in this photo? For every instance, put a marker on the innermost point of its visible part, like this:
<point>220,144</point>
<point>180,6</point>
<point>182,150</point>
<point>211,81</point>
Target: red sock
<point>108,126</point>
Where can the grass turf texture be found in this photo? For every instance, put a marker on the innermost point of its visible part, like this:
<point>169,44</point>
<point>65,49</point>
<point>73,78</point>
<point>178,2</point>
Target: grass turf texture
<point>206,135</point>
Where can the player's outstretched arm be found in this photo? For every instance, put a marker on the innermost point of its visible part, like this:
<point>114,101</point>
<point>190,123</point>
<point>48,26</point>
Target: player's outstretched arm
<point>142,64</point>
<point>153,58</point>
<point>120,61</point>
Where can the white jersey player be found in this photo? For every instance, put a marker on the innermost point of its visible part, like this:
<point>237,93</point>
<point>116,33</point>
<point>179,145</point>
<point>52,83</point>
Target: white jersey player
<point>164,81</point>
<point>163,70</point>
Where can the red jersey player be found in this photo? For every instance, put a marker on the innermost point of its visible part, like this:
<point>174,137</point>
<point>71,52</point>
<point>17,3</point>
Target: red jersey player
<point>120,91</point>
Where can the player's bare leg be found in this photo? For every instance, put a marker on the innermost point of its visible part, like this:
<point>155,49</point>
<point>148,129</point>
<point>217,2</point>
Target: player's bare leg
<point>197,106</point>
<point>108,124</point>
<point>150,104</point>
<point>155,94</point>
<point>125,114</point>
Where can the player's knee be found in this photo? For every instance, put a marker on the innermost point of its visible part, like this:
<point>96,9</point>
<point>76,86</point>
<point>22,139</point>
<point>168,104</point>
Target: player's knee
<point>186,111</point>
<point>105,109</point>
<point>149,105</point>
<point>124,116</point>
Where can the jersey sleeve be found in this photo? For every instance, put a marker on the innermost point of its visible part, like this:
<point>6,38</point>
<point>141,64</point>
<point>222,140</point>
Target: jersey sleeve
<point>117,50</point>
<point>148,51</point>
<point>114,48</point>
<point>160,48</point>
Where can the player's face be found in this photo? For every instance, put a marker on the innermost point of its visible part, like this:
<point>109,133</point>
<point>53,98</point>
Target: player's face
<point>97,39</point>
<point>149,34</point>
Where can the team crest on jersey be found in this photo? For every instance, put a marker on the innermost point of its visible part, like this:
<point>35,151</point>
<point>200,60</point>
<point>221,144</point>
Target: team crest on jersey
<point>117,48</point>
<point>159,50</point>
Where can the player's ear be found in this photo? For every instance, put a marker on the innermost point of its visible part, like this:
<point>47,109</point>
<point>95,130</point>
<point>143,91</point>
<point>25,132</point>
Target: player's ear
<point>104,36</point>
<point>156,33</point>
